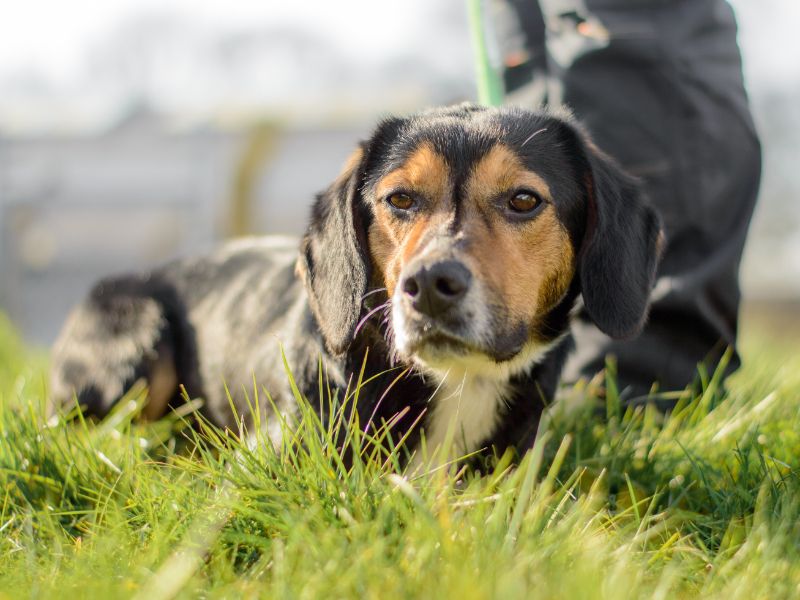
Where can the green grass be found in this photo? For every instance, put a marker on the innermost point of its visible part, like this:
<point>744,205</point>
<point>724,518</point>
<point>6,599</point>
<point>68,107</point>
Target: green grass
<point>704,504</point>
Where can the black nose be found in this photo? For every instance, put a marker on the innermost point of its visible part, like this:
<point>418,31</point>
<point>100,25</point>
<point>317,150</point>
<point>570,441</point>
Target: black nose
<point>436,288</point>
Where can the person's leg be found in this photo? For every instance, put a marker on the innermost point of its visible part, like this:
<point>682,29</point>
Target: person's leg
<point>520,30</point>
<point>659,85</point>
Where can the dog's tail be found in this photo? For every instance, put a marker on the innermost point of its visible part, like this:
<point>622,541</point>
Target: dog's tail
<point>120,334</point>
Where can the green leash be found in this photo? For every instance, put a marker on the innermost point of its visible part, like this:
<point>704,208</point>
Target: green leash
<point>490,86</point>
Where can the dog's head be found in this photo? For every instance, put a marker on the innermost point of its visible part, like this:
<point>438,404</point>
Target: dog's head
<point>479,223</point>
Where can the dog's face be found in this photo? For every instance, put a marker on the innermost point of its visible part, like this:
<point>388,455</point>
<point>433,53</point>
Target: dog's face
<point>479,224</point>
<point>469,240</point>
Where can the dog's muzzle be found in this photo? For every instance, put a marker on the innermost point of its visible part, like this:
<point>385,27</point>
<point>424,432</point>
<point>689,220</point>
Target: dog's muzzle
<point>434,307</point>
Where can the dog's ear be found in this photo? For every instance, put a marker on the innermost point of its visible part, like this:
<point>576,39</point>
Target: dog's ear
<point>621,246</point>
<point>334,259</point>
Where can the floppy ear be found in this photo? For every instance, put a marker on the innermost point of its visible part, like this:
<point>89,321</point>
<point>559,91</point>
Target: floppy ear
<point>621,247</point>
<point>334,260</point>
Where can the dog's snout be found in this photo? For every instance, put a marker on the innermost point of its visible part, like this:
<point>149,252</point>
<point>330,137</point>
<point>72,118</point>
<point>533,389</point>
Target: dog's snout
<point>436,288</point>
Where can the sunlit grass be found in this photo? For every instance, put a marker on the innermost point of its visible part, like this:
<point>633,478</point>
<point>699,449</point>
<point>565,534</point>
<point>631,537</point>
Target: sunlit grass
<point>626,505</point>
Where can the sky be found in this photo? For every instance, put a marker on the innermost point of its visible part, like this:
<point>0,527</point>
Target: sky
<point>77,66</point>
<point>54,37</point>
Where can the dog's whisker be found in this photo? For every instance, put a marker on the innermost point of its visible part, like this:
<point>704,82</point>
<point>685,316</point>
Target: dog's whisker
<point>367,316</point>
<point>385,393</point>
<point>371,292</point>
<point>533,135</point>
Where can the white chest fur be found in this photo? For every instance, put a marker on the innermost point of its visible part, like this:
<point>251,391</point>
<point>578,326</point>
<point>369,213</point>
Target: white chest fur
<point>469,404</point>
<point>463,413</point>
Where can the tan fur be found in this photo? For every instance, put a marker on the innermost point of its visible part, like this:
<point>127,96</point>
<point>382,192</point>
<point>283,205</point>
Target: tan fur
<point>424,172</point>
<point>501,171</point>
<point>394,241</point>
<point>537,257</point>
<point>161,384</point>
<point>350,164</point>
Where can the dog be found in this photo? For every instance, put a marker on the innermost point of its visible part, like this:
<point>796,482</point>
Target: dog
<point>444,265</point>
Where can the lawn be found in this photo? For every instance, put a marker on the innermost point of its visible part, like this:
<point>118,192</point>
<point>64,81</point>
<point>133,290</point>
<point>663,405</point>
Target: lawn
<point>704,504</point>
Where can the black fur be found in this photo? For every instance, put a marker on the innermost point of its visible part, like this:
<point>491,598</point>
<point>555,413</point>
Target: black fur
<point>222,319</point>
<point>336,262</point>
<point>620,250</point>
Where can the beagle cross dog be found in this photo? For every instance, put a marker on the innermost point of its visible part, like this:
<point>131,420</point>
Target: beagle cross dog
<point>445,261</point>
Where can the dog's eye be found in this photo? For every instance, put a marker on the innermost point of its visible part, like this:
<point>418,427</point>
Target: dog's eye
<point>524,202</point>
<point>401,201</point>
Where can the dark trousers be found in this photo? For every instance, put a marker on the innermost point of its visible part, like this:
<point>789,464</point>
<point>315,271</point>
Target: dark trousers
<point>659,85</point>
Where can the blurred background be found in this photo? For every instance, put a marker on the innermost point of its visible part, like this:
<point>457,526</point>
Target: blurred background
<point>134,131</point>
